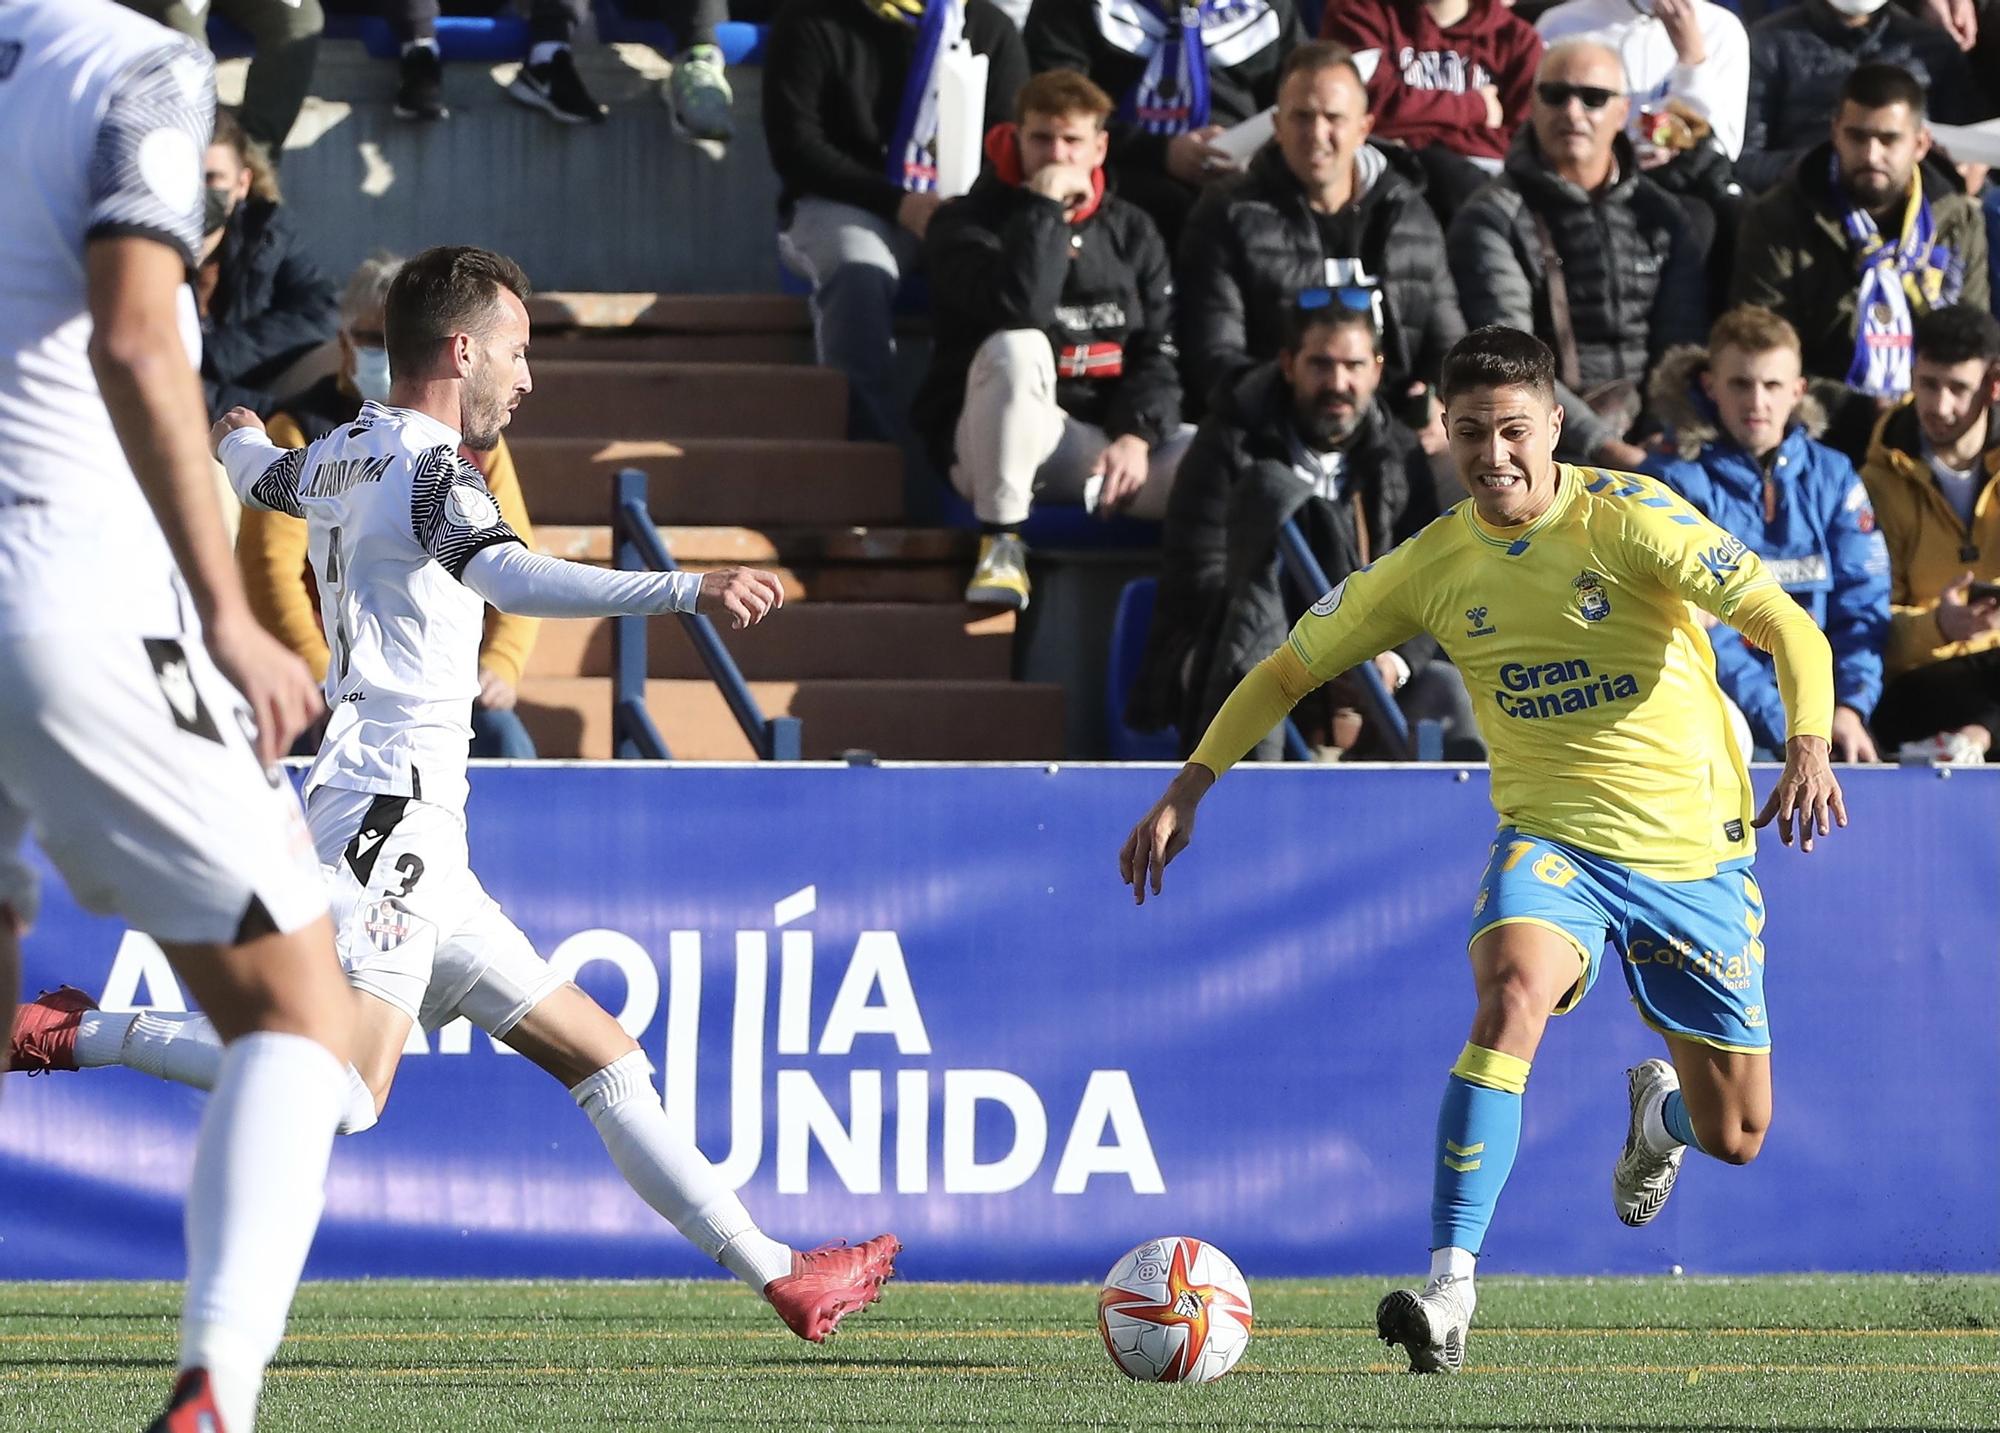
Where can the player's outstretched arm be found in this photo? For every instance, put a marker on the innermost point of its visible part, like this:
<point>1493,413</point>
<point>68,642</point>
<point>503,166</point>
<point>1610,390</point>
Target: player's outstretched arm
<point>1163,832</point>
<point>529,584</point>
<point>154,399</point>
<point>1807,793</point>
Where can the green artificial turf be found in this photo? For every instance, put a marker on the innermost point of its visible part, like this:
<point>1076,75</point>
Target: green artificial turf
<point>1819,1352</point>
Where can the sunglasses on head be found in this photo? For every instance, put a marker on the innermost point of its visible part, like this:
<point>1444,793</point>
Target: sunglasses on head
<point>1351,296</point>
<point>1556,95</point>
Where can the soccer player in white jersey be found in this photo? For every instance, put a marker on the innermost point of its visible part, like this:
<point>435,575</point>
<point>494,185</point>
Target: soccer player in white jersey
<point>141,708</point>
<point>409,547</point>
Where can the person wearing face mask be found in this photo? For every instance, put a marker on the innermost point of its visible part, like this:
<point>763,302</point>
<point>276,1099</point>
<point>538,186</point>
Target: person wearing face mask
<point>1573,244</point>
<point>1867,233</point>
<point>1800,56</point>
<point>1304,439</point>
<point>271,546</point>
<point>264,302</point>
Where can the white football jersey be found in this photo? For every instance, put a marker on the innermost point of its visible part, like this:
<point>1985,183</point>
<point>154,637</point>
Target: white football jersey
<point>104,116</point>
<point>393,514</point>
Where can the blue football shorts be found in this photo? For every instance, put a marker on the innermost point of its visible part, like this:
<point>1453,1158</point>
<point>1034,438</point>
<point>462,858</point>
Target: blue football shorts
<point>1693,951</point>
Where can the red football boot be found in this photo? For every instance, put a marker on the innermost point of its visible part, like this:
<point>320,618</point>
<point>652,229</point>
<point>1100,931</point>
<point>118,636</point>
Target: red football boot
<point>829,1283</point>
<point>192,1409</point>
<point>45,1031</point>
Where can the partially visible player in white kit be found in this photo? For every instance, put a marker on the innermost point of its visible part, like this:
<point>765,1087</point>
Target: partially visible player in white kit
<point>409,548</point>
<point>141,709</point>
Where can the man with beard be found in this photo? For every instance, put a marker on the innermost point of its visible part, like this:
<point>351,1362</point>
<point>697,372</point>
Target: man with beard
<point>1861,238</point>
<point>1302,439</point>
<point>1934,473</point>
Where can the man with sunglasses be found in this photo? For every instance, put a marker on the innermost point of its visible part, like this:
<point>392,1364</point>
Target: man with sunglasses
<point>1573,244</point>
<point>1319,208</point>
<point>1567,596</point>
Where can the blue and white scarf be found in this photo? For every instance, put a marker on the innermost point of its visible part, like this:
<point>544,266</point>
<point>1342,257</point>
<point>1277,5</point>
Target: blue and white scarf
<point>1179,42</point>
<point>913,146</point>
<point>1915,274</point>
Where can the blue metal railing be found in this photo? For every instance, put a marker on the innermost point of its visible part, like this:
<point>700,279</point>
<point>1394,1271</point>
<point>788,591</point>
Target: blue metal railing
<point>1427,743</point>
<point>637,548</point>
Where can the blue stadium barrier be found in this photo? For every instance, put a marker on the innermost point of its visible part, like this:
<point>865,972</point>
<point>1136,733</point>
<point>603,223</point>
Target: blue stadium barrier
<point>637,547</point>
<point>917,998</point>
<point>1130,626</point>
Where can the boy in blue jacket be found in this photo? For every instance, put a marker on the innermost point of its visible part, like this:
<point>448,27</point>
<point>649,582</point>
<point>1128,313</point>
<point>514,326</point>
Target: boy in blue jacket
<point>1750,462</point>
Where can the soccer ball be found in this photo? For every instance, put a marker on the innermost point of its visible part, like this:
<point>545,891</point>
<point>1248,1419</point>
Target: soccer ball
<point>1174,1311</point>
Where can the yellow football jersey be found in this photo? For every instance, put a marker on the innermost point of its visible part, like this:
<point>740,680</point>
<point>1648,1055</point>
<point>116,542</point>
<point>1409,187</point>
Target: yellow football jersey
<point>1593,681</point>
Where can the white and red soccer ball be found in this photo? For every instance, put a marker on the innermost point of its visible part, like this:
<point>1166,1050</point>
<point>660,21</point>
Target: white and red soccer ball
<point>1174,1311</point>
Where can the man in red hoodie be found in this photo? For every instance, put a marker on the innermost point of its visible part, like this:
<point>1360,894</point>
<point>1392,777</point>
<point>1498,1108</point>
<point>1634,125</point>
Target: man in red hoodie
<point>1053,373</point>
<point>1449,78</point>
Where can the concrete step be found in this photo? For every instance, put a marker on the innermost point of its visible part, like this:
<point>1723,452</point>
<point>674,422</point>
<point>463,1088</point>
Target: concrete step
<point>723,481</point>
<point>873,640</point>
<point>577,398</point>
<point>669,313</point>
<point>641,347</point>
<point>909,720</point>
<point>714,545</point>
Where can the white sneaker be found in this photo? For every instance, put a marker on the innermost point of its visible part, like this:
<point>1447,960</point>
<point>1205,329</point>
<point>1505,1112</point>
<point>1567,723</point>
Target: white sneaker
<point>1642,1180</point>
<point>1431,1326</point>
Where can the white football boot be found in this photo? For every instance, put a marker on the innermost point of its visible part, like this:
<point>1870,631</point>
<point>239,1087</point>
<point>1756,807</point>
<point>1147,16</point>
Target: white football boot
<point>1642,1180</point>
<point>1431,1326</point>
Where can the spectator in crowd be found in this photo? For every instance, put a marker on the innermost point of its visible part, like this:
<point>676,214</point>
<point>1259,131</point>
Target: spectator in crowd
<point>1448,78</point>
<point>1573,244</point>
<point>548,79</point>
<point>1934,473</point>
<point>1862,237</point>
<point>1800,59</point>
<point>1302,439</point>
<point>1053,318</point>
<point>1319,208</point>
<point>1181,75</point>
<point>264,303</point>
<point>285,34</point>
<point>1687,58</point>
<point>271,546</point>
<point>1749,462</point>
<point>849,115</point>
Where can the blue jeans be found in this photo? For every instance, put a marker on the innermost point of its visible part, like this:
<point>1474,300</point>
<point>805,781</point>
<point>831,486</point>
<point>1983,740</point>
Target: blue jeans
<point>501,734</point>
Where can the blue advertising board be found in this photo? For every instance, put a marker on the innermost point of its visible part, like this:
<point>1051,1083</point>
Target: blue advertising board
<point>918,998</point>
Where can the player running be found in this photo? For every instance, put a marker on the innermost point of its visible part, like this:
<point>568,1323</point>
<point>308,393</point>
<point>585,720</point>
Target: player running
<point>409,548</point>
<point>1564,595</point>
<point>141,708</point>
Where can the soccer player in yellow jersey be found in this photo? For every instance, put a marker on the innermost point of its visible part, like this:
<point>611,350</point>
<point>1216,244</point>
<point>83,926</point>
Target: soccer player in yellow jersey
<point>1566,597</point>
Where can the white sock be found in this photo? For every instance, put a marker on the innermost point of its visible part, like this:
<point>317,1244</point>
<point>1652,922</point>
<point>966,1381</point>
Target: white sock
<point>1452,1262</point>
<point>1653,1126</point>
<point>546,50</point>
<point>670,1174</point>
<point>100,1038</point>
<point>259,1185</point>
<point>357,1105</point>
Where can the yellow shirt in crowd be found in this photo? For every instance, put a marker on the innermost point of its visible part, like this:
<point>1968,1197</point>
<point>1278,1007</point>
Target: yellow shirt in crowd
<point>1592,679</point>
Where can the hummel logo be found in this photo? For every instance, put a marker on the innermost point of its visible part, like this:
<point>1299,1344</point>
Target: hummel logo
<point>366,842</point>
<point>178,684</point>
<point>1476,624</point>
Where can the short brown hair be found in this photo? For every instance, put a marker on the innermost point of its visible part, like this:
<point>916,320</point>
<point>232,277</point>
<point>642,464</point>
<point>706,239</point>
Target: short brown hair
<point>1317,55</point>
<point>1499,357</point>
<point>441,292</point>
<point>1748,328</point>
<point>1057,92</point>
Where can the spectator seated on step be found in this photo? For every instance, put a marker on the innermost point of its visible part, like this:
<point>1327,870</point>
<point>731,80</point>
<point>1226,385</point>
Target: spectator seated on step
<point>1749,460</point>
<point>1181,73</point>
<point>271,547</point>
<point>1933,471</point>
<point>1867,232</point>
<point>264,302</point>
<point>1573,244</point>
<point>285,34</point>
<point>1304,439</point>
<point>850,114</point>
<point>1053,377</point>
<point>1319,208</point>
<point>1450,79</point>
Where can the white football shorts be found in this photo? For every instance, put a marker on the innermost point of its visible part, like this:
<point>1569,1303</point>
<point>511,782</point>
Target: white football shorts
<point>131,761</point>
<point>412,924</point>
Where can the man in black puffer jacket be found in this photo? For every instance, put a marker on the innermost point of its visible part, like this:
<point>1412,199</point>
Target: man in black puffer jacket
<point>1800,57</point>
<point>1320,207</point>
<point>1303,439</point>
<point>1575,246</point>
<point>1053,374</point>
